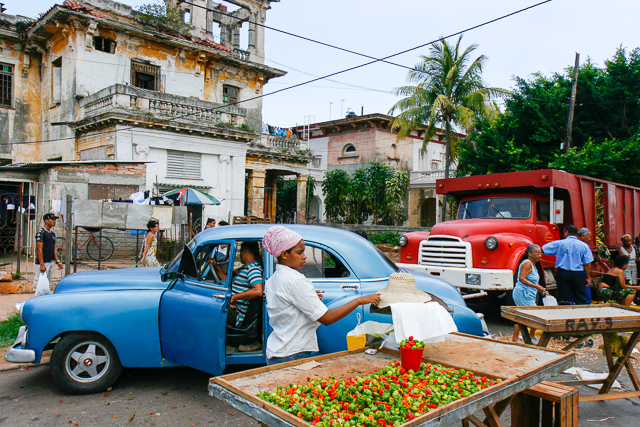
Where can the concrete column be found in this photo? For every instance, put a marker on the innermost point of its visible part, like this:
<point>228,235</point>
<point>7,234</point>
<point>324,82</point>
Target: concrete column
<point>271,195</point>
<point>301,197</point>
<point>236,36</point>
<point>255,193</point>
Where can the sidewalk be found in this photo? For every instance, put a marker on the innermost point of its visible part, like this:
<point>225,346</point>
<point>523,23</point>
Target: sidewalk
<point>8,303</point>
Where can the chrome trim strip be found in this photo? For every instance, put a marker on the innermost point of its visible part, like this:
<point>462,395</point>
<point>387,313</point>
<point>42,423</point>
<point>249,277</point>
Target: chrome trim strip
<point>202,285</point>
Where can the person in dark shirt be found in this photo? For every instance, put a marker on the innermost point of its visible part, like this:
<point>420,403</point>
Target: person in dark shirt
<point>46,255</point>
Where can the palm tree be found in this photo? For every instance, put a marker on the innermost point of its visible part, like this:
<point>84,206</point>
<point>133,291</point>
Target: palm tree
<point>449,88</point>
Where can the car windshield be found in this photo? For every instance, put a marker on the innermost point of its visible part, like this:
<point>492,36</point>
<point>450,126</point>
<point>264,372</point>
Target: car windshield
<point>173,265</point>
<point>388,260</point>
<point>495,207</point>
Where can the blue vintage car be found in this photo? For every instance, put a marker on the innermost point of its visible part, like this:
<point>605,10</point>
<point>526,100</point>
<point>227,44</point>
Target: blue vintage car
<point>98,322</point>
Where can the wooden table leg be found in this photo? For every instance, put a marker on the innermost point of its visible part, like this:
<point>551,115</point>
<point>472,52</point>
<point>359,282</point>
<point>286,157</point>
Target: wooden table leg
<point>575,343</point>
<point>607,350</point>
<point>525,334</point>
<point>620,362</point>
<point>632,374</point>
<point>544,339</point>
<point>474,420</point>
<point>493,419</point>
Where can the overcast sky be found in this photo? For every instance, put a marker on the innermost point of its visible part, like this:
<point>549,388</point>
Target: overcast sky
<point>543,39</point>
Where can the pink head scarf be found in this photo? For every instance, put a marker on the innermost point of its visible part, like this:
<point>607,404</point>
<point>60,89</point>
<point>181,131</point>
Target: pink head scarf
<point>278,239</point>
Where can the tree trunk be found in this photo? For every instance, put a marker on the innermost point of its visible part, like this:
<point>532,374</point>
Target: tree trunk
<point>447,161</point>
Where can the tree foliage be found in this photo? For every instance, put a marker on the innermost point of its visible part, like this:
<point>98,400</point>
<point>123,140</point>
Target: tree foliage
<point>377,190</point>
<point>162,16</point>
<point>287,198</point>
<point>530,132</point>
<point>448,88</point>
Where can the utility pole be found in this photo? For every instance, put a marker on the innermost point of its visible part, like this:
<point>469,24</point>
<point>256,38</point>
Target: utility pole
<point>330,104</point>
<point>574,90</point>
<point>341,102</point>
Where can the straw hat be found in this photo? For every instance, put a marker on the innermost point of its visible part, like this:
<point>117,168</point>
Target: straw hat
<point>401,288</point>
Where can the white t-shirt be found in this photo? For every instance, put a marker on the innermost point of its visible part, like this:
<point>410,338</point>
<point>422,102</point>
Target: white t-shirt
<point>294,309</point>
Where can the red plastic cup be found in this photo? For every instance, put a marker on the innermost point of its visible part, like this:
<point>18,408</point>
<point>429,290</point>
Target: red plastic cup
<point>410,358</point>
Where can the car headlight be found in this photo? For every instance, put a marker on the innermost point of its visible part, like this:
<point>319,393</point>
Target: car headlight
<point>19,307</point>
<point>491,243</point>
<point>403,241</point>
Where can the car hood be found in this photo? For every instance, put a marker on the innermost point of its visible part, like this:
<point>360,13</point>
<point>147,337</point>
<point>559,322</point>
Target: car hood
<point>438,287</point>
<point>471,227</point>
<point>118,279</point>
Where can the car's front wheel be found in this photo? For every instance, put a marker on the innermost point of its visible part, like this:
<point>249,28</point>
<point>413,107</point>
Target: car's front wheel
<point>84,362</point>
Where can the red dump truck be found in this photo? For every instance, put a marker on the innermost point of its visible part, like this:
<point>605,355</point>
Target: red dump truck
<point>499,215</point>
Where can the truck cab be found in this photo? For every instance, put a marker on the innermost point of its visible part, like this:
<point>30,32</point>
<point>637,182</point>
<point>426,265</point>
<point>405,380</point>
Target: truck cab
<point>482,247</point>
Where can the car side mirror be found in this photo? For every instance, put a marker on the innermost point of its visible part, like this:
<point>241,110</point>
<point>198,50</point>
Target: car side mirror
<point>168,276</point>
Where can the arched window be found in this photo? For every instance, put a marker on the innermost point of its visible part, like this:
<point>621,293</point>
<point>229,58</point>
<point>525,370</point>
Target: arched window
<point>394,151</point>
<point>349,150</point>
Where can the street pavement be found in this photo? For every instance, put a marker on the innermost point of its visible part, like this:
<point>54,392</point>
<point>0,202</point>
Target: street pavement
<point>178,396</point>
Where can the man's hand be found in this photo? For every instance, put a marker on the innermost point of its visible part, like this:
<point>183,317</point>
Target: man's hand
<point>43,268</point>
<point>370,299</point>
<point>232,302</point>
<point>60,265</point>
<point>319,293</point>
<point>213,261</point>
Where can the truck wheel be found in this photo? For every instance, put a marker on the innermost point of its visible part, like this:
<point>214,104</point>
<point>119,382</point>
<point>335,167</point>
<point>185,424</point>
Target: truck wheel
<point>84,362</point>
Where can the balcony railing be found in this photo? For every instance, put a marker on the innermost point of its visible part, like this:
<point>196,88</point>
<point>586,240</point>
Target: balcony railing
<point>136,100</point>
<point>240,54</point>
<point>281,143</point>
<point>430,176</point>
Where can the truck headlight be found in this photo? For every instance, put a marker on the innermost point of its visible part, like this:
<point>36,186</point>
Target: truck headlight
<point>491,243</point>
<point>403,241</point>
<point>473,279</point>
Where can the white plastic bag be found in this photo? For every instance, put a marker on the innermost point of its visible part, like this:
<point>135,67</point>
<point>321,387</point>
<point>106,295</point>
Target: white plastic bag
<point>367,334</point>
<point>549,301</point>
<point>43,287</point>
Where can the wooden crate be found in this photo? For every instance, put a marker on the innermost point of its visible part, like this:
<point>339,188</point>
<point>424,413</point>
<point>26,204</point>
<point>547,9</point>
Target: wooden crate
<point>252,219</point>
<point>519,366</point>
<point>546,404</point>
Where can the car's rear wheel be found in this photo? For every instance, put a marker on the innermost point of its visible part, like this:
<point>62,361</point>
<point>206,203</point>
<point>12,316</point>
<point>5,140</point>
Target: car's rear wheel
<point>84,362</point>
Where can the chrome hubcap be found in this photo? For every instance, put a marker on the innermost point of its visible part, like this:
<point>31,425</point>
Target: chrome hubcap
<point>87,362</point>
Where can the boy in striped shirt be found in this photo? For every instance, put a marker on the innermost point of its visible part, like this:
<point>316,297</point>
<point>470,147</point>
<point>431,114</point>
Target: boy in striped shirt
<point>247,283</point>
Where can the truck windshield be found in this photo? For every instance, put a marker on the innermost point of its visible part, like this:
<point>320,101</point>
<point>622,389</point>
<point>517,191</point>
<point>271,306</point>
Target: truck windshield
<point>495,207</point>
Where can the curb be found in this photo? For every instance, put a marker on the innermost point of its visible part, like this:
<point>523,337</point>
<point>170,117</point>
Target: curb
<point>7,366</point>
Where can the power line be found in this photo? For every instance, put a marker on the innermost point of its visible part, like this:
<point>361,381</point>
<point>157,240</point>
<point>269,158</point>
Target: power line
<point>325,76</point>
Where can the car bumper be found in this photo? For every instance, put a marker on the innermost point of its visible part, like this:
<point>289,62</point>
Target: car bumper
<point>17,353</point>
<point>471,278</point>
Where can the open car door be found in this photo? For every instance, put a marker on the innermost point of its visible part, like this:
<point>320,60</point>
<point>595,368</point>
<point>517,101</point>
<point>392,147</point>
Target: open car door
<point>193,310</point>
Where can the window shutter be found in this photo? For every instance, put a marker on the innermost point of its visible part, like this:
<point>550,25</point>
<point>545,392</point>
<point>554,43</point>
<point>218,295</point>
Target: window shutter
<point>57,85</point>
<point>181,164</point>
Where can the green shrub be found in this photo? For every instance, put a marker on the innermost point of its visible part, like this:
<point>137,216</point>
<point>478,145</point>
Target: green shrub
<point>9,329</point>
<point>384,238</point>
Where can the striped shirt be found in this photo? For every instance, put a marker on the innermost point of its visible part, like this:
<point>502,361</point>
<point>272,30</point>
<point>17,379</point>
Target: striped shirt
<point>248,276</point>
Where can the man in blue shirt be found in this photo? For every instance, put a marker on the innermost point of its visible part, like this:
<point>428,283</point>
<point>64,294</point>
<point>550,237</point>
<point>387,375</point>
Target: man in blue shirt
<point>573,261</point>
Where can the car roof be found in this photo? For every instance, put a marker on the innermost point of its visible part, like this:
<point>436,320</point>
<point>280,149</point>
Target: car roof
<point>362,257</point>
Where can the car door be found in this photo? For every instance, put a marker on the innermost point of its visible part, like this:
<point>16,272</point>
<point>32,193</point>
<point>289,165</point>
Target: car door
<point>328,272</point>
<point>193,310</point>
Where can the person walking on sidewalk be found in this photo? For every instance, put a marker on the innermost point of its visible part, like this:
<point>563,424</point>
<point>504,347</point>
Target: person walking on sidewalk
<point>46,255</point>
<point>573,261</point>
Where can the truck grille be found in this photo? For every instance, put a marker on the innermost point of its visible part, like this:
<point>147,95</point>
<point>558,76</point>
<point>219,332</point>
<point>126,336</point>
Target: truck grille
<point>444,251</point>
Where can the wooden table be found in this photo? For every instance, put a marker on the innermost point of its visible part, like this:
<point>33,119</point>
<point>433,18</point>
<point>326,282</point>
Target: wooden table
<point>519,366</point>
<point>580,322</point>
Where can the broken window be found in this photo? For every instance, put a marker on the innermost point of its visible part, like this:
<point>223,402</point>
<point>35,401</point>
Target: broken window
<point>56,81</point>
<point>145,76</point>
<point>6,85</point>
<point>229,94</point>
<point>104,44</point>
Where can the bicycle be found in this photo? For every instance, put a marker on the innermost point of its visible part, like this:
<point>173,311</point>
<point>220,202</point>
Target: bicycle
<point>99,248</point>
